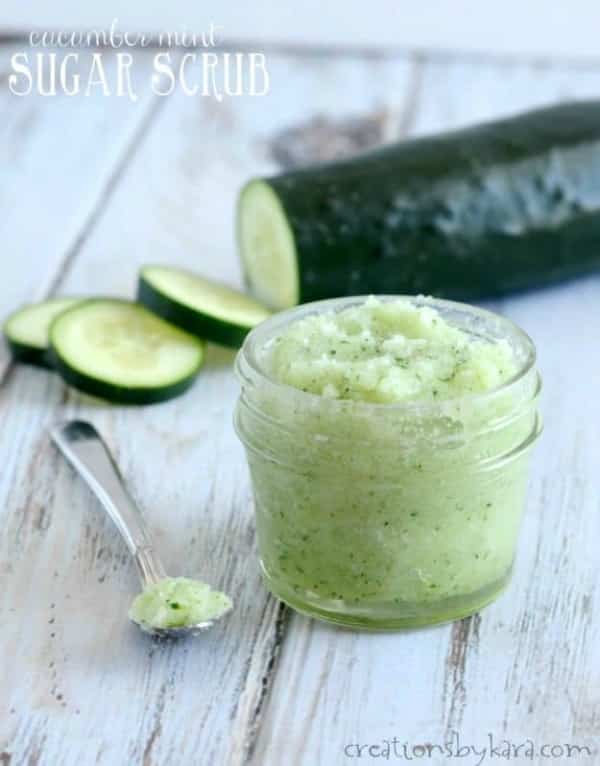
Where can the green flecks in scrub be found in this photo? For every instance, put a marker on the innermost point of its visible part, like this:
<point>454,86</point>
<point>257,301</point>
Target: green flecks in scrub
<point>387,352</point>
<point>382,547</point>
<point>391,495</point>
<point>354,508</point>
<point>177,602</point>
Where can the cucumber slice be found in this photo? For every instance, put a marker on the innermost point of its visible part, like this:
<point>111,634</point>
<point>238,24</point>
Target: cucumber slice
<point>204,308</point>
<point>119,351</point>
<point>267,246</point>
<point>26,330</point>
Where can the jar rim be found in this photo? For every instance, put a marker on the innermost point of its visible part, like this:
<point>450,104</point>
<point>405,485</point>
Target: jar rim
<point>247,357</point>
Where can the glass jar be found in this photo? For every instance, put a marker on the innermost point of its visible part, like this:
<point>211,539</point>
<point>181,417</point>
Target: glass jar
<point>387,516</point>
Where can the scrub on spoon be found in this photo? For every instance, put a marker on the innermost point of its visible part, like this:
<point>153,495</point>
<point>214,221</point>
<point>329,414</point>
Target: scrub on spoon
<point>167,607</point>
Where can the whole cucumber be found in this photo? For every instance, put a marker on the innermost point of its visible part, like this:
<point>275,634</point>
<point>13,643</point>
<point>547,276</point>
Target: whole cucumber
<point>476,212</point>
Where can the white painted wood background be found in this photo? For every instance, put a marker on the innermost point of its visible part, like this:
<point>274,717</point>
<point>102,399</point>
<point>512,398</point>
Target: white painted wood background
<point>540,28</point>
<point>90,188</point>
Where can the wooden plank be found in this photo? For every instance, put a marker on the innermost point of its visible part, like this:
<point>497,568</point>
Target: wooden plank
<point>82,686</point>
<point>466,26</point>
<point>61,156</point>
<point>529,665</point>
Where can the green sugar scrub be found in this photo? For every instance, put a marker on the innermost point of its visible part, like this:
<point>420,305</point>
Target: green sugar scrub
<point>176,602</point>
<point>388,443</point>
<point>387,352</point>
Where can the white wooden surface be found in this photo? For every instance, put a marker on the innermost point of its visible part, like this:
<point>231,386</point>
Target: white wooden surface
<point>499,27</point>
<point>91,189</point>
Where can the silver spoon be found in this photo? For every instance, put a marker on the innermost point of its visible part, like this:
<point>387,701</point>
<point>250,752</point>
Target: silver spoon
<point>85,449</point>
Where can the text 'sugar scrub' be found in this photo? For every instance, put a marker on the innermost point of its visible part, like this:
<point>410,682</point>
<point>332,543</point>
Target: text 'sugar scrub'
<point>388,443</point>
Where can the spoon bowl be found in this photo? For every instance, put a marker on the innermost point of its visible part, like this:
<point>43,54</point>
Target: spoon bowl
<point>86,451</point>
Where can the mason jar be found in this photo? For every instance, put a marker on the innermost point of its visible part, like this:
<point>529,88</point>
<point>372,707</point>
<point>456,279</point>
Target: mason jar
<point>387,516</point>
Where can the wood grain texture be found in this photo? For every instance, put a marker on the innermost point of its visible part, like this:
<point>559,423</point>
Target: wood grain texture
<point>543,30</point>
<point>81,686</point>
<point>528,665</point>
<point>60,157</point>
<point>84,686</point>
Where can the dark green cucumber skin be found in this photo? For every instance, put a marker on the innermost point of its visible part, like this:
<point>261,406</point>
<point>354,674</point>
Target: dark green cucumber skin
<point>187,319</point>
<point>118,394</point>
<point>38,357</point>
<point>502,206</point>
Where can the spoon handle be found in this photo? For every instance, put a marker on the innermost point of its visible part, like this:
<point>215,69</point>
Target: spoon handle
<point>85,449</point>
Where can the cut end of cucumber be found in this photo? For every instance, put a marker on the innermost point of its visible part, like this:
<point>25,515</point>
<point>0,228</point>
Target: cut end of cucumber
<point>267,247</point>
